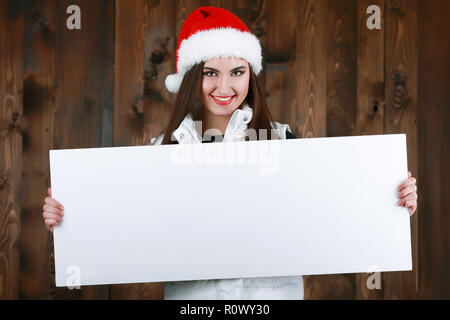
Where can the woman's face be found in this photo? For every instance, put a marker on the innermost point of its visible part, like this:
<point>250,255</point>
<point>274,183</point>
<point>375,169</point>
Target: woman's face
<point>225,84</point>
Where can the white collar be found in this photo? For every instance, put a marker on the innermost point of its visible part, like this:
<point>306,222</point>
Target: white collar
<point>235,131</point>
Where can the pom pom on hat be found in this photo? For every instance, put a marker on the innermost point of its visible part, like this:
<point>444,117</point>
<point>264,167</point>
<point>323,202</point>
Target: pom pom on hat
<point>208,33</point>
<point>173,82</point>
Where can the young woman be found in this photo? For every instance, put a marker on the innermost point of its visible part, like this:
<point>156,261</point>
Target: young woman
<point>218,60</point>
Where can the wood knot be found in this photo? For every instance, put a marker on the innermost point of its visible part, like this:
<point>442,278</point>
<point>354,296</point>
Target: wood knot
<point>160,51</point>
<point>373,109</point>
<point>8,127</point>
<point>3,181</point>
<point>400,90</point>
<point>138,107</point>
<point>398,7</point>
<point>159,54</point>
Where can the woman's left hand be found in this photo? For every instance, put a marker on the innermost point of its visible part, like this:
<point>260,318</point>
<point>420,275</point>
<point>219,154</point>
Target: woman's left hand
<point>407,194</point>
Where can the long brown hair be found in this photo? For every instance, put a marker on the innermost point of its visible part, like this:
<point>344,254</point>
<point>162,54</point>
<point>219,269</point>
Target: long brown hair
<point>187,99</point>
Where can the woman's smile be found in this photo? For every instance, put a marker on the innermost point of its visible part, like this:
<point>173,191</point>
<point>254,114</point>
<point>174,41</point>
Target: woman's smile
<point>223,100</point>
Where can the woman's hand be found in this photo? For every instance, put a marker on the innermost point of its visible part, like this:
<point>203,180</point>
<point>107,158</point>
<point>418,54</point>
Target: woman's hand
<point>407,194</point>
<point>53,211</point>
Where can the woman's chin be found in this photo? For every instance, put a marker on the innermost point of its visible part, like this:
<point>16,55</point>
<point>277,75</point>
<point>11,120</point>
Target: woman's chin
<point>222,110</point>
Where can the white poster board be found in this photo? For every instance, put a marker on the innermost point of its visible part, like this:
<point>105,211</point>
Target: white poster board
<point>230,210</point>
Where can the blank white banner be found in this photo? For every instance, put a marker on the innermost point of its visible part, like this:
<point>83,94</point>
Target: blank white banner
<point>230,210</point>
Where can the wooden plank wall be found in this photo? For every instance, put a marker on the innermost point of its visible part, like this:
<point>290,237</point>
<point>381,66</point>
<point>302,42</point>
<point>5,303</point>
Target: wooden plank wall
<point>11,126</point>
<point>39,103</point>
<point>433,121</point>
<point>324,73</point>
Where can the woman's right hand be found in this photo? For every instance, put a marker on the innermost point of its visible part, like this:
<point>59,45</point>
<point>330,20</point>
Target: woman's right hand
<point>53,211</point>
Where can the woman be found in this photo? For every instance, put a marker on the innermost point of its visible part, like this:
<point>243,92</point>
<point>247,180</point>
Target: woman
<point>218,60</point>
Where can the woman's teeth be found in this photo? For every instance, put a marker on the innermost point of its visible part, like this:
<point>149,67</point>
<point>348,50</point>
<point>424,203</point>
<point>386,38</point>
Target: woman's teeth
<point>223,99</point>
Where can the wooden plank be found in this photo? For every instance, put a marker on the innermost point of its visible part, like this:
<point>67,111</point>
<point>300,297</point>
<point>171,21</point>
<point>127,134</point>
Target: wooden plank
<point>310,69</point>
<point>341,73</point>
<point>83,95</point>
<point>11,111</point>
<point>306,85</point>
<point>279,51</point>
<point>434,152</point>
<point>341,101</point>
<point>38,103</point>
<point>129,72</point>
<point>281,33</point>
<point>160,46</point>
<point>276,97</point>
<point>401,87</point>
<point>369,108</point>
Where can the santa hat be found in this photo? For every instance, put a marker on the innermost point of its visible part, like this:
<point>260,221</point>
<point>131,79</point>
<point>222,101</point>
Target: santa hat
<point>208,33</point>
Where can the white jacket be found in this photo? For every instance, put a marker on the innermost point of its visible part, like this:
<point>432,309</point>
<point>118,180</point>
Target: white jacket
<point>261,288</point>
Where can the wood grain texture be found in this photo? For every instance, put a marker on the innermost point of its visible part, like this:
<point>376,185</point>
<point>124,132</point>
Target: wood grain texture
<point>370,103</point>
<point>281,34</point>
<point>39,83</point>
<point>276,96</point>
<point>129,48</point>
<point>308,118</point>
<point>160,48</point>
<point>82,113</point>
<point>11,111</point>
<point>401,103</point>
<point>434,150</point>
<point>341,68</point>
<point>279,53</point>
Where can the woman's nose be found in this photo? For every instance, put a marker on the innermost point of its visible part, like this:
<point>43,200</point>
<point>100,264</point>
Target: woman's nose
<point>224,85</point>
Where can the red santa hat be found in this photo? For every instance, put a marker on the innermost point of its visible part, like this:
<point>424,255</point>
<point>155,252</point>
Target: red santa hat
<point>208,33</point>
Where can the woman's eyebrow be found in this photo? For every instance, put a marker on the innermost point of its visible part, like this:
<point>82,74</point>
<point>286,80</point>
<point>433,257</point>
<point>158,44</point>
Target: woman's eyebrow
<point>235,69</point>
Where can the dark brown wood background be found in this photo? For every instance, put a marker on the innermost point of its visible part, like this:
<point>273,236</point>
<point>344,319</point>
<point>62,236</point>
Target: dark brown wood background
<point>325,74</point>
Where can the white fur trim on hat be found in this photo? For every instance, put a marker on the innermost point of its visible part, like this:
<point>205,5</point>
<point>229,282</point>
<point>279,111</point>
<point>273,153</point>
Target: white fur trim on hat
<point>215,43</point>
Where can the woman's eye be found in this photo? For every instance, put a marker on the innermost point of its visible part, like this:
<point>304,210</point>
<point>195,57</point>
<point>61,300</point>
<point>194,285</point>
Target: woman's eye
<point>212,73</point>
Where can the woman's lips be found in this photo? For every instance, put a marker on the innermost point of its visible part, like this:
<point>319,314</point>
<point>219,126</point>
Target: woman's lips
<point>223,103</point>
